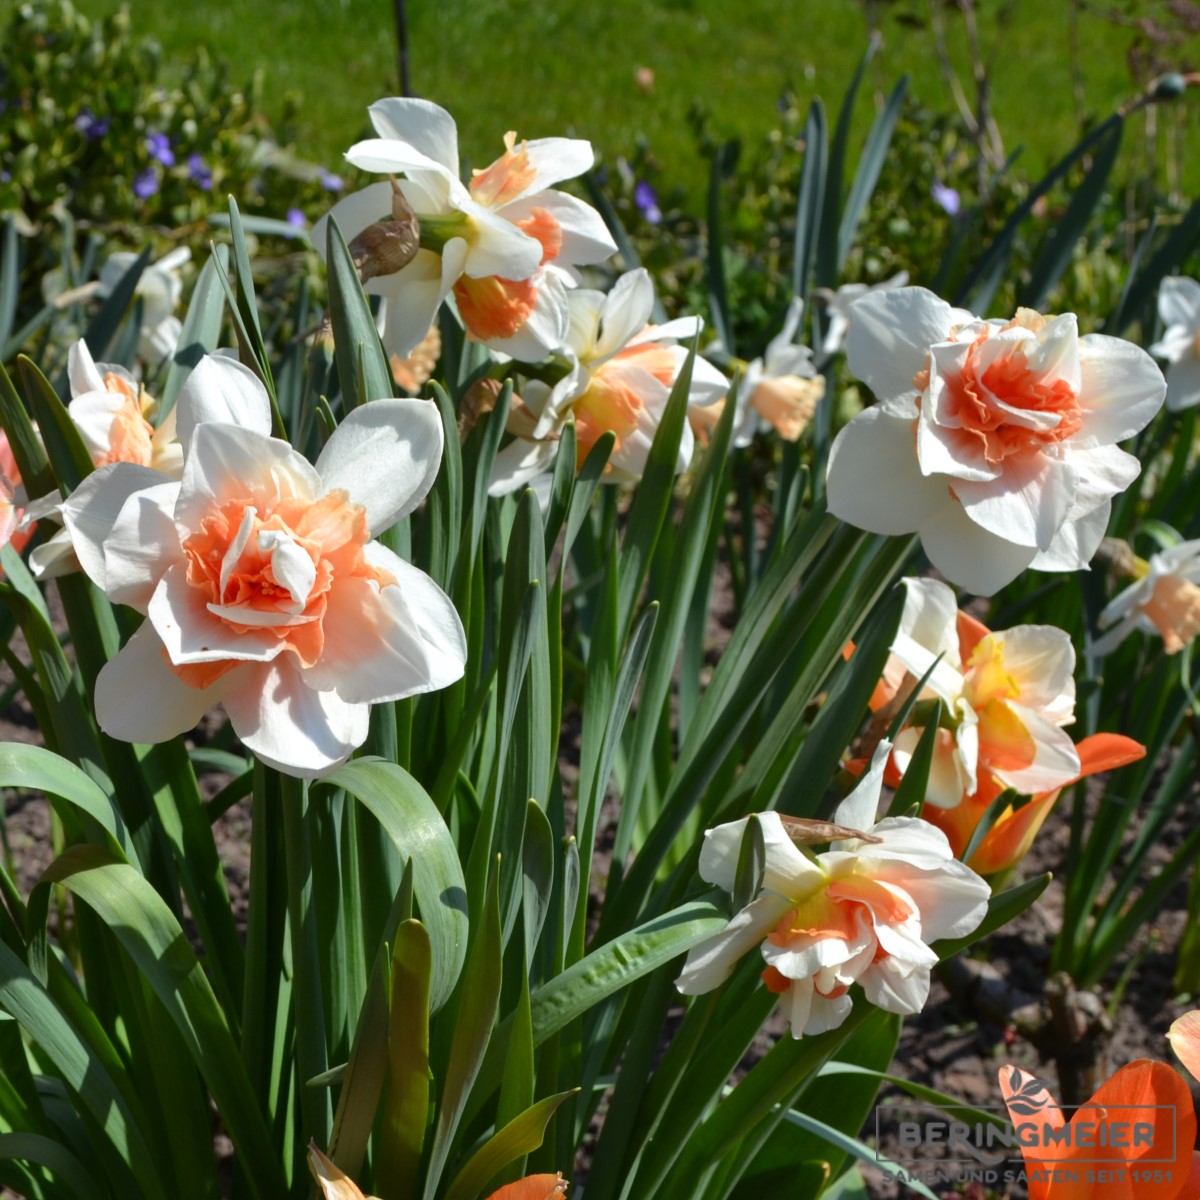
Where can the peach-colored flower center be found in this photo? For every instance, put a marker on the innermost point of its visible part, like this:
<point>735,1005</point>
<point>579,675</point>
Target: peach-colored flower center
<point>611,403</point>
<point>492,307</point>
<point>1175,610</point>
<point>272,570</point>
<point>130,437</point>
<point>507,177</point>
<point>787,402</point>
<point>979,402</point>
<point>1005,744</point>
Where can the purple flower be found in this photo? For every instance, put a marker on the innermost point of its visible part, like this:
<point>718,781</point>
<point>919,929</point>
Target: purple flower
<point>946,197</point>
<point>199,173</point>
<point>145,183</point>
<point>159,147</point>
<point>91,126</point>
<point>331,182</point>
<point>297,218</point>
<point>646,198</point>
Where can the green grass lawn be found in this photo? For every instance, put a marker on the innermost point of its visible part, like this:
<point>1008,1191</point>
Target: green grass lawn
<point>568,66</point>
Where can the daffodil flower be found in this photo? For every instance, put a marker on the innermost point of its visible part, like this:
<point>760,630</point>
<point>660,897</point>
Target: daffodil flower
<point>1164,600</point>
<point>159,289</point>
<point>112,412</point>
<point>620,379</point>
<point>994,441</point>
<point>504,244</point>
<point>260,579</point>
<point>865,911</point>
<point>778,391</point>
<point>1179,310</point>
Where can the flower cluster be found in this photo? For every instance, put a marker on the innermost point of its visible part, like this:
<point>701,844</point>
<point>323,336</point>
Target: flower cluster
<point>865,911</point>
<point>260,578</point>
<point>1004,699</point>
<point>993,440</point>
<point>505,245</point>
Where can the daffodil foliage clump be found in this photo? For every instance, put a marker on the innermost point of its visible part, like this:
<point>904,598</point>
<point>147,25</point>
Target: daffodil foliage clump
<point>534,853</point>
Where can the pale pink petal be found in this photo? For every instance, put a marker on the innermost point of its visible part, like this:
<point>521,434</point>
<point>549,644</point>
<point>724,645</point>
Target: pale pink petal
<point>858,810</point>
<point>289,725</point>
<point>193,634</point>
<point>1027,504</point>
<point>385,455</point>
<point>948,782</point>
<point>873,481</point>
<point>219,389</point>
<point>91,510</point>
<point>425,126</point>
<point>970,556</point>
<point>930,618</point>
<point>140,699</point>
<point>1122,390</point>
<point>227,463</point>
<point>141,546</point>
<point>54,558</point>
<point>710,963</point>
<point>796,1004</point>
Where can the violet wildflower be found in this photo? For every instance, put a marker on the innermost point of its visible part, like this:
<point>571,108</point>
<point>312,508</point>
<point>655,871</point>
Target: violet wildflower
<point>646,198</point>
<point>158,145</point>
<point>946,198</point>
<point>145,183</point>
<point>199,172</point>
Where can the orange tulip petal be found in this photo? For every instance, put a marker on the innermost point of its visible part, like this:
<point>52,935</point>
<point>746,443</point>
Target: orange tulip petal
<point>533,1187</point>
<point>1107,752</point>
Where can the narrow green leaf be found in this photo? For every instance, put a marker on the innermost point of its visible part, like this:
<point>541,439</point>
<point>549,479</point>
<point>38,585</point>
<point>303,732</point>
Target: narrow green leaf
<point>751,864</point>
<point>1055,258</point>
<point>102,328</point>
<point>537,860</point>
<point>476,1015</point>
<point>152,937</point>
<point>870,165</point>
<point>362,366</point>
<point>718,294</point>
<point>406,1110</point>
<point>64,446</point>
<point>52,1155</point>
<point>201,330</point>
<point>409,817</point>
<point>27,448</point>
<point>915,784</point>
<point>521,1135</point>
<point>809,200</point>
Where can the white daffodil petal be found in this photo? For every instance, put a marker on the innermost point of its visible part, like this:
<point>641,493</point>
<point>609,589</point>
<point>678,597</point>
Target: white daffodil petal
<point>426,126</point>
<point>873,480</point>
<point>219,389</point>
<point>385,455</point>
<point>710,963</point>
<point>970,555</point>
<point>141,546</point>
<point>140,699</point>
<point>289,725</point>
<point>92,509</point>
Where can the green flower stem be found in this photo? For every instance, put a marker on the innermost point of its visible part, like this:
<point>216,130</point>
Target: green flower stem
<point>316,1115</point>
